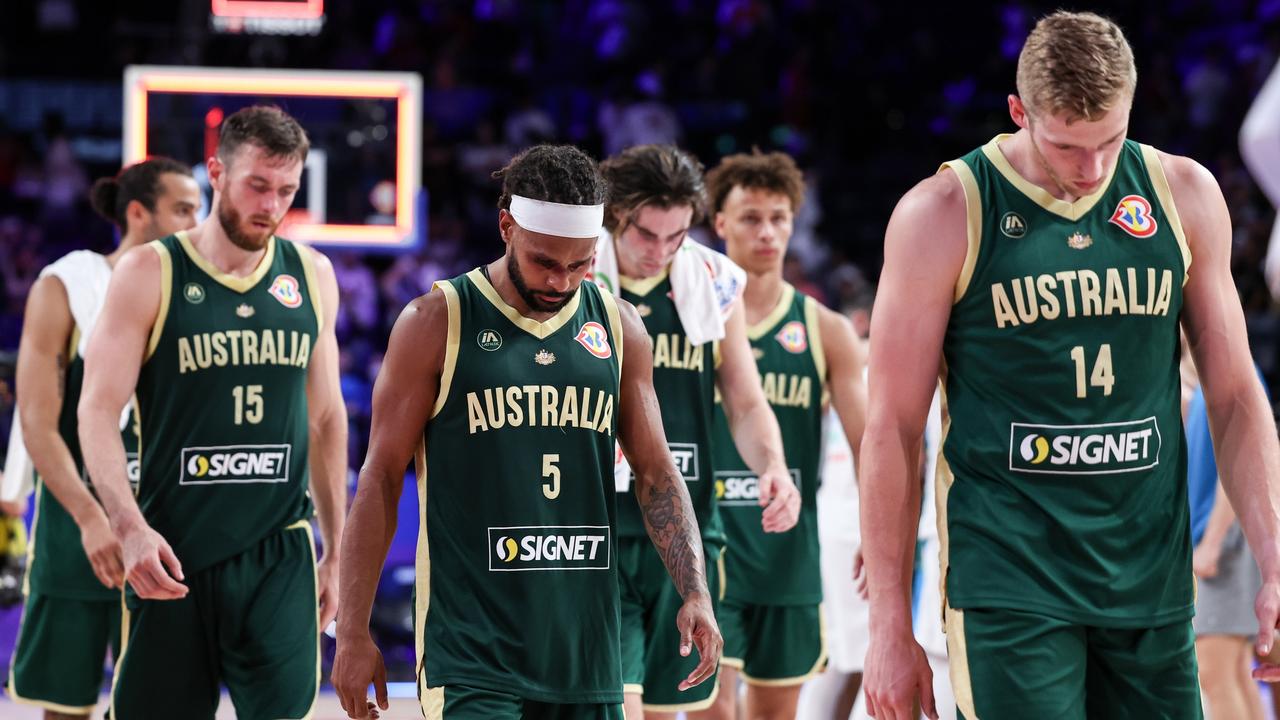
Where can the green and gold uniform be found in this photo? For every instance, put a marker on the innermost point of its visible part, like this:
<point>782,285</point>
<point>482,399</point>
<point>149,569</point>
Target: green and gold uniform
<point>684,381</point>
<point>517,590</point>
<point>770,615</point>
<point>69,618</point>
<point>1062,498</point>
<point>222,406</point>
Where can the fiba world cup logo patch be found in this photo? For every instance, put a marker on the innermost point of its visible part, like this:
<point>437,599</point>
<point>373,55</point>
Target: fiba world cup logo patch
<point>1133,215</point>
<point>593,337</point>
<point>793,338</point>
<point>285,289</point>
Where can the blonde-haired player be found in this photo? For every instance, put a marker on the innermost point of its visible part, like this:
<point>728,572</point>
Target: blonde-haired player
<point>1045,276</point>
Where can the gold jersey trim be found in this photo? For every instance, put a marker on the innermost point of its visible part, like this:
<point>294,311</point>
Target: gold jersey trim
<point>538,329</point>
<point>73,345</point>
<point>1070,210</point>
<point>1155,169</point>
<point>124,648</point>
<point>813,326</point>
<point>227,280</point>
<point>31,560</point>
<point>422,564</point>
<point>973,225</point>
<point>313,286</point>
<point>453,341</point>
<point>431,699</point>
<point>315,574</point>
<point>166,295</point>
<point>615,326</point>
<point>942,482</point>
<point>686,707</point>
<point>642,286</point>
<point>961,682</point>
<point>779,311</point>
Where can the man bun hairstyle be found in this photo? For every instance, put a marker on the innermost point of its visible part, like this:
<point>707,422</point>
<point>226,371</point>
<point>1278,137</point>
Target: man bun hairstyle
<point>552,173</point>
<point>660,175</point>
<point>110,196</point>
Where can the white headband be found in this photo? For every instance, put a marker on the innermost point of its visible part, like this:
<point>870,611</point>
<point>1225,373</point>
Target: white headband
<point>550,218</point>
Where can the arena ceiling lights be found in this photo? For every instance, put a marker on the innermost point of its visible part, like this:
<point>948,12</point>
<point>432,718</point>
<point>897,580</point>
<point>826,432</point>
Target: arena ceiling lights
<point>140,81</point>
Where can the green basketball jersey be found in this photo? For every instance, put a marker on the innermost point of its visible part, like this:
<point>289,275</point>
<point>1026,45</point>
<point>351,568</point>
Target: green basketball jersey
<point>222,400</point>
<point>684,379</point>
<point>1062,487</point>
<point>58,565</point>
<point>777,568</point>
<point>517,559</point>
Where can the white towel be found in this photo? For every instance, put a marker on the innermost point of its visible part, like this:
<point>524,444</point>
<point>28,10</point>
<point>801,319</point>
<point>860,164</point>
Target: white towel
<point>85,275</point>
<point>19,474</point>
<point>704,286</point>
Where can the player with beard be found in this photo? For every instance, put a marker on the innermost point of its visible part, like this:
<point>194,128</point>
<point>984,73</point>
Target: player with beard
<point>509,387</point>
<point>226,333</point>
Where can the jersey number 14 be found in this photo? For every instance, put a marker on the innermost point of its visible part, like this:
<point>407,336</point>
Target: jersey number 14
<point>1102,375</point>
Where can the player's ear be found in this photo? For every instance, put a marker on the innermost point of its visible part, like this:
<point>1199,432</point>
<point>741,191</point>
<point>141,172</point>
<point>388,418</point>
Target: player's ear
<point>137,214</point>
<point>718,221</point>
<point>506,226</point>
<point>216,169</point>
<point>1017,111</point>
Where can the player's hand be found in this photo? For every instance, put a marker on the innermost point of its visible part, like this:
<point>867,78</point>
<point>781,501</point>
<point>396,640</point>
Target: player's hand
<point>146,557</point>
<point>860,575</point>
<point>103,550</point>
<point>897,672</point>
<point>698,628</point>
<point>13,508</point>
<point>1267,608</point>
<point>357,663</point>
<point>1204,561</point>
<point>327,588</point>
<point>780,500</point>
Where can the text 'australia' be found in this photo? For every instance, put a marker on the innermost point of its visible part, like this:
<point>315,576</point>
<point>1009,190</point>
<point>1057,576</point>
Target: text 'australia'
<point>539,406</point>
<point>243,347</point>
<point>1082,293</point>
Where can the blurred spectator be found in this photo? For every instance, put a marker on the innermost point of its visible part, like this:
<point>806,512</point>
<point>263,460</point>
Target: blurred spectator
<point>358,295</point>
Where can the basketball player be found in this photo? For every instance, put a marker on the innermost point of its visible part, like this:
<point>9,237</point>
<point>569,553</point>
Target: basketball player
<point>689,297</point>
<point>508,386</point>
<point>74,574</point>
<point>1045,274</point>
<point>226,332</point>
<point>807,356</point>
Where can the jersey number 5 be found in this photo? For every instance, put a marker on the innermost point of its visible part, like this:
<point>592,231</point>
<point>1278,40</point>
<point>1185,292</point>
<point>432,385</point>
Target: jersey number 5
<point>1102,375</point>
<point>551,490</point>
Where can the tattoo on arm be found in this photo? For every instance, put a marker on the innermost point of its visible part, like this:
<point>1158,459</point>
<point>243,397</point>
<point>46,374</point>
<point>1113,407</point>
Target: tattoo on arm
<point>673,528</point>
<point>62,375</point>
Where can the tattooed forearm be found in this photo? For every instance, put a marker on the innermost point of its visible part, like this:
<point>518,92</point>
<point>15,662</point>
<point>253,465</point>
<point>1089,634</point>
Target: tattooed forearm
<point>672,526</point>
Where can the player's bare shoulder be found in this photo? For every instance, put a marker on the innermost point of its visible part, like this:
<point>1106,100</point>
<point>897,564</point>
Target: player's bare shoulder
<point>634,335</point>
<point>421,333</point>
<point>323,265</point>
<point>1201,208</point>
<point>931,222</point>
<point>138,263</point>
